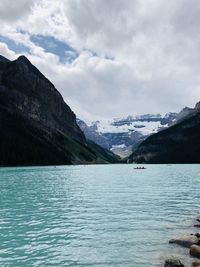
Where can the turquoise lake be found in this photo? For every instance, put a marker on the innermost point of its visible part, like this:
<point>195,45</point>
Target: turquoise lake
<point>99,215</point>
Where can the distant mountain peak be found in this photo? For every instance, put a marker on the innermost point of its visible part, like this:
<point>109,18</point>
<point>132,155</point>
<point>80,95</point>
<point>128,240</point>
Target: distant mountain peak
<point>197,106</point>
<point>185,109</point>
<point>176,144</point>
<point>120,135</point>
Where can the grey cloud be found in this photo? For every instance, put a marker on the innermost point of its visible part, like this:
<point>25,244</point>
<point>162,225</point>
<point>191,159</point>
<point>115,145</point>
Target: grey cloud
<point>186,19</point>
<point>10,10</point>
<point>109,22</point>
<point>155,49</point>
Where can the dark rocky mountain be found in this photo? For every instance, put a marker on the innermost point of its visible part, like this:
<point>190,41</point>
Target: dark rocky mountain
<point>176,144</point>
<point>37,126</point>
<point>3,59</point>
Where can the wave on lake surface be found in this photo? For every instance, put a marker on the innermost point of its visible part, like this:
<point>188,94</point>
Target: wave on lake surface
<point>100,215</point>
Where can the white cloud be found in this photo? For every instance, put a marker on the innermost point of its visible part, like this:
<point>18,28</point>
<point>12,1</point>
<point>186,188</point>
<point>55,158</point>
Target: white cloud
<point>6,52</point>
<point>154,45</point>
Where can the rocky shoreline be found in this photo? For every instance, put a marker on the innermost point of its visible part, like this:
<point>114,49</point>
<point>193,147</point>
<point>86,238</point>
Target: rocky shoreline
<point>189,241</point>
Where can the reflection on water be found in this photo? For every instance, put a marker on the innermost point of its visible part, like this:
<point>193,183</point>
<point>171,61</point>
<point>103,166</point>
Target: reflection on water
<point>109,215</point>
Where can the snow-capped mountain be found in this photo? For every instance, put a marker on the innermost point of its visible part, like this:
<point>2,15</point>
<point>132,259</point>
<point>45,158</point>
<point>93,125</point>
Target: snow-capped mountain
<point>177,144</point>
<point>122,135</point>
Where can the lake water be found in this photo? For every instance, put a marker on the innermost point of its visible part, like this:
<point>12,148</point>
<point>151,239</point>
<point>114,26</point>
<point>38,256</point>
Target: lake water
<point>103,215</point>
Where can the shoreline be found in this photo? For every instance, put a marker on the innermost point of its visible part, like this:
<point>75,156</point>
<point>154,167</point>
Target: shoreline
<point>189,241</point>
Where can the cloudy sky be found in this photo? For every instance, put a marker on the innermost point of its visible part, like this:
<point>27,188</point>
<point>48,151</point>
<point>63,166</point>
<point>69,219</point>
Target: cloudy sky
<point>110,58</point>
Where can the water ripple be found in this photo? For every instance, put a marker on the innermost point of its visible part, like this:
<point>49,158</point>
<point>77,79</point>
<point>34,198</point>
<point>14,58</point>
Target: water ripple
<point>95,215</point>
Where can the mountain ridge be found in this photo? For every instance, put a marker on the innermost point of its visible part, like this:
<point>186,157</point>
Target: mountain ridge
<point>123,135</point>
<point>176,144</point>
<point>37,126</point>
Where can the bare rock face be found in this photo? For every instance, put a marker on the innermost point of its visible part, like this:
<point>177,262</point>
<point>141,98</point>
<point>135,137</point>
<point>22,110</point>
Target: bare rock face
<point>173,263</point>
<point>185,240</point>
<point>26,91</point>
<point>92,134</point>
<point>195,251</point>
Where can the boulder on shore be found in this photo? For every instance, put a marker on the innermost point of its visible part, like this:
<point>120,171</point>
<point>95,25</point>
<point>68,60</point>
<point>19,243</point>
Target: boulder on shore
<point>195,264</point>
<point>185,240</point>
<point>173,263</point>
<point>195,251</point>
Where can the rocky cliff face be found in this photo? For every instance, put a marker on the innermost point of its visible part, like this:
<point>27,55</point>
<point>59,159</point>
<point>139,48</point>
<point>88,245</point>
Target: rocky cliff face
<point>26,91</point>
<point>37,126</point>
<point>92,134</point>
<point>177,144</point>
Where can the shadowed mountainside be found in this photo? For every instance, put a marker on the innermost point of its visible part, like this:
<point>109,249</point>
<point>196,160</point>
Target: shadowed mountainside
<point>177,144</point>
<point>37,126</point>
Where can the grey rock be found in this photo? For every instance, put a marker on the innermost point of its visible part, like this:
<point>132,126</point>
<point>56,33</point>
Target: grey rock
<point>195,251</point>
<point>185,240</point>
<point>173,263</point>
<point>195,264</point>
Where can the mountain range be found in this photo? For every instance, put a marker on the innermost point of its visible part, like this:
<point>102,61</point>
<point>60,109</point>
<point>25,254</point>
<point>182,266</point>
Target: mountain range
<point>37,126</point>
<point>177,144</point>
<point>123,135</point>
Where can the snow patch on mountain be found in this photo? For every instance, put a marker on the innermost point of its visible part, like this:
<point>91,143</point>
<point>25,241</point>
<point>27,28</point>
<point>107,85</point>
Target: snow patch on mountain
<point>123,135</point>
<point>143,127</point>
